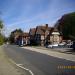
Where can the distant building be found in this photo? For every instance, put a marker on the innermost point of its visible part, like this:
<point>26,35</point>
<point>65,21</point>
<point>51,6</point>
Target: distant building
<point>44,35</point>
<point>26,38</point>
<point>23,39</point>
<point>55,36</point>
<point>41,34</point>
<point>14,36</point>
<point>32,36</point>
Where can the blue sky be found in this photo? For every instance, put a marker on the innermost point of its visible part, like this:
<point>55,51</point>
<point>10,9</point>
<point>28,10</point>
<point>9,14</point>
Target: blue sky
<point>26,14</point>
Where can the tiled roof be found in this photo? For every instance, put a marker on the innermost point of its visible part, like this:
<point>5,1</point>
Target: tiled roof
<point>43,26</point>
<point>55,30</point>
<point>41,29</point>
<point>32,31</point>
<point>26,34</point>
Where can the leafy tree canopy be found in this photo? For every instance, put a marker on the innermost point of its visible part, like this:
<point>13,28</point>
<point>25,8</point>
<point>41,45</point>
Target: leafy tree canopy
<point>1,24</point>
<point>1,36</point>
<point>66,25</point>
<point>14,33</point>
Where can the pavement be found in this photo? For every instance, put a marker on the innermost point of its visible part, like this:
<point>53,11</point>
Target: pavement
<point>6,67</point>
<point>59,53</point>
<point>61,50</point>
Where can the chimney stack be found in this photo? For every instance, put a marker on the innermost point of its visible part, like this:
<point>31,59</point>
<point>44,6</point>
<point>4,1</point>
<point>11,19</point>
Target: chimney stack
<point>46,25</point>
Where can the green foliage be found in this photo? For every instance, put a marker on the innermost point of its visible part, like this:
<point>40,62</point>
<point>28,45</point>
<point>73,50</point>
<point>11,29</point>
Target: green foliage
<point>67,25</point>
<point>1,36</point>
<point>17,31</point>
<point>1,24</point>
<point>1,39</point>
<point>11,38</point>
<point>13,34</point>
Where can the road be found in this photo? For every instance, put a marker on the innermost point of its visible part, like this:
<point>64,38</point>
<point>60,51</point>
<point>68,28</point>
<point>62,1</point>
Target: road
<point>39,64</point>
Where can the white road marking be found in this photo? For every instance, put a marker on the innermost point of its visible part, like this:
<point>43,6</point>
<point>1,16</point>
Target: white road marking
<point>20,66</point>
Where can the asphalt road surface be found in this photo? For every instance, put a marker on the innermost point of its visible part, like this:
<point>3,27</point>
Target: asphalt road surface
<point>39,64</point>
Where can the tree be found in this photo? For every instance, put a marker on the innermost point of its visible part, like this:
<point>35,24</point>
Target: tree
<point>1,36</point>
<point>66,25</point>
<point>13,34</point>
<point>1,26</point>
<point>1,39</point>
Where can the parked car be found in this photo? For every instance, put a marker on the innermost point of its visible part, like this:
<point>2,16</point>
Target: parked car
<point>61,45</point>
<point>52,46</point>
<point>73,46</point>
<point>69,44</point>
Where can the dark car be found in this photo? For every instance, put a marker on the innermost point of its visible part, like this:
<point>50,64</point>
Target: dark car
<point>73,46</point>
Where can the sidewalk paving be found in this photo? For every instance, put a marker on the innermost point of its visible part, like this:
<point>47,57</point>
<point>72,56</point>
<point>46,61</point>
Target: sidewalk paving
<point>52,52</point>
<point>6,68</point>
<point>62,50</point>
